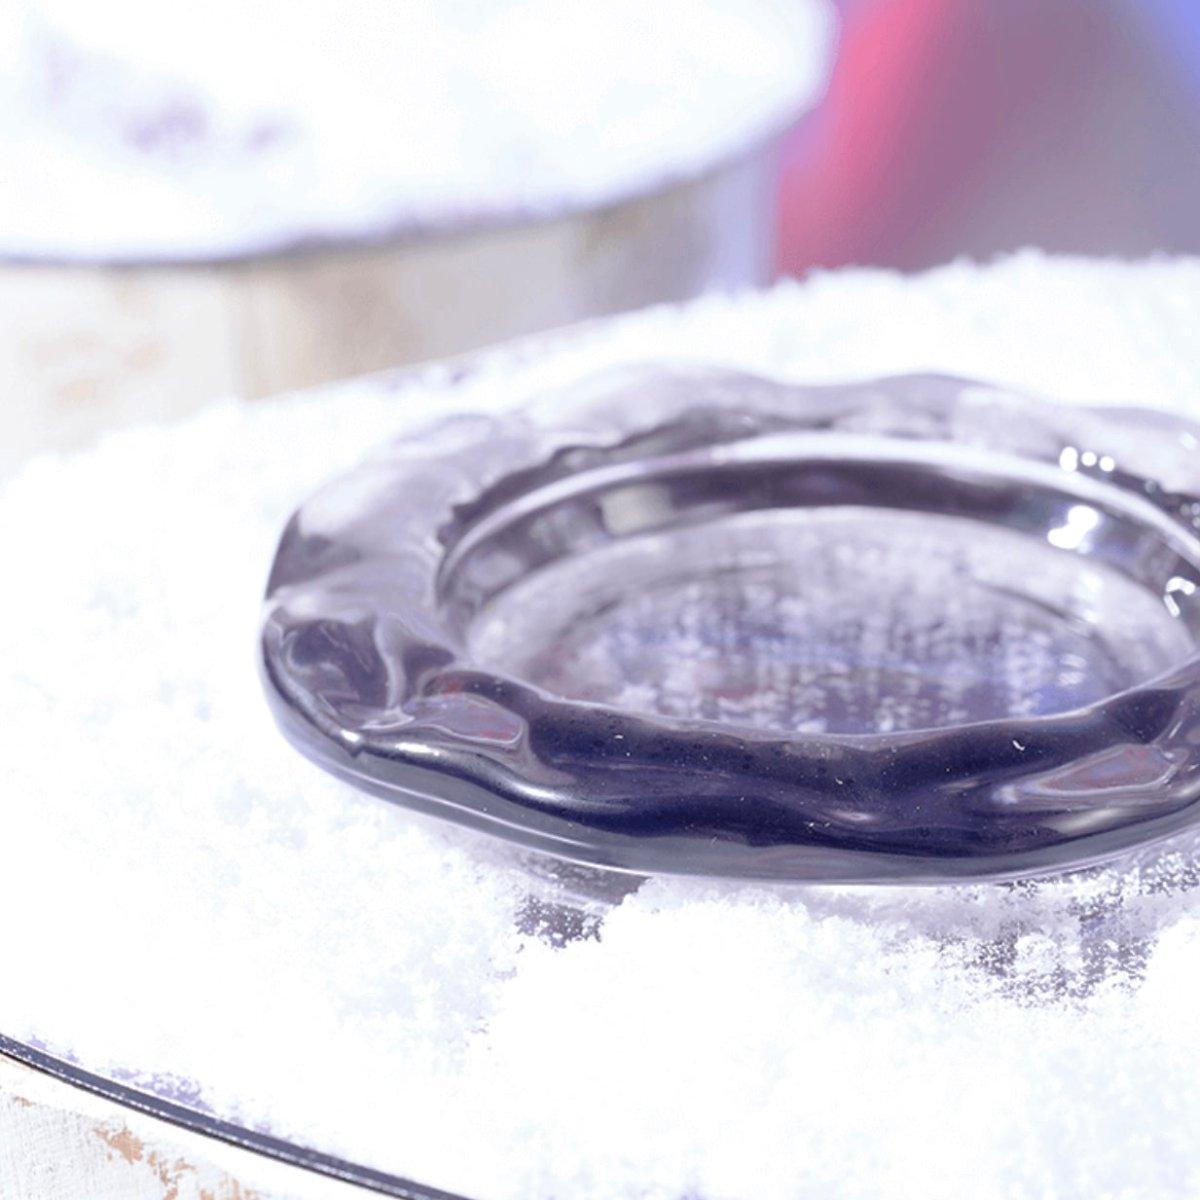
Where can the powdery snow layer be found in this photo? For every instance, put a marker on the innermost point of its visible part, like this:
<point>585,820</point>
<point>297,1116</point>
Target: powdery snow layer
<point>186,901</point>
<point>138,129</point>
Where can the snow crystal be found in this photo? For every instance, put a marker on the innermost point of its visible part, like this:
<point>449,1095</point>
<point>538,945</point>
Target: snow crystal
<point>185,899</point>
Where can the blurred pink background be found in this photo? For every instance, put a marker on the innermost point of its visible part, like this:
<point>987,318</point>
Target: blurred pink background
<point>971,127</point>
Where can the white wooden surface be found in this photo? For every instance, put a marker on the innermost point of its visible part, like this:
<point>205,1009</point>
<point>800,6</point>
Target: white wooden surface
<point>60,1143</point>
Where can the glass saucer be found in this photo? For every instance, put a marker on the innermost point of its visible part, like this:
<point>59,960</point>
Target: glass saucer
<point>695,622</point>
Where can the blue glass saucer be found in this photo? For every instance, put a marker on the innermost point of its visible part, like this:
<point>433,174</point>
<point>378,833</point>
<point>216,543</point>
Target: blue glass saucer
<point>693,622</point>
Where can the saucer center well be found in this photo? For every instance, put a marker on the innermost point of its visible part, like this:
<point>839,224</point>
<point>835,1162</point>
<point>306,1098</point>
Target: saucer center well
<point>843,620</point>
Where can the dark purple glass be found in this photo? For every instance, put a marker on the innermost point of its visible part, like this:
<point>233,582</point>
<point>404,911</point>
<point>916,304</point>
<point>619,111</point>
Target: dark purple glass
<point>919,629</point>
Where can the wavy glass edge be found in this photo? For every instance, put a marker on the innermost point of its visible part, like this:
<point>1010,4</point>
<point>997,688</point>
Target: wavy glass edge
<point>365,665</point>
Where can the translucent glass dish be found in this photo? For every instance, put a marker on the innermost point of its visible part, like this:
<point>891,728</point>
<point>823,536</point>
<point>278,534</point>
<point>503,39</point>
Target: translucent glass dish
<point>913,630</point>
